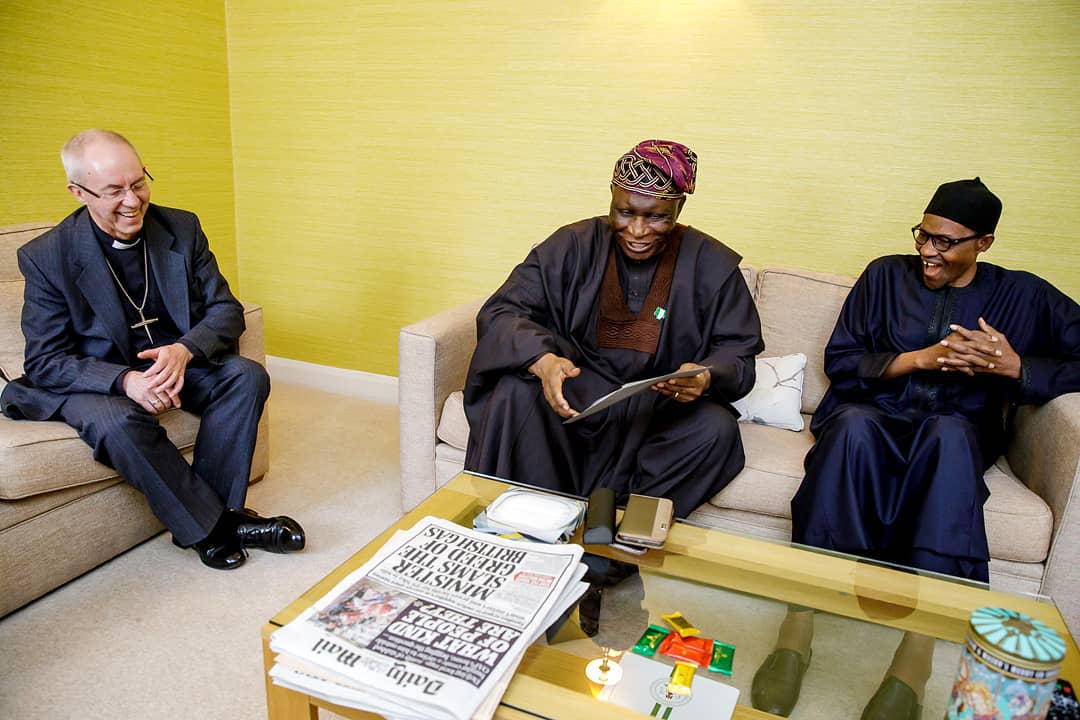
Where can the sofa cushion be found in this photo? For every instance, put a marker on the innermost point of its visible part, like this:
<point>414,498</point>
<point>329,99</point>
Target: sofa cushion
<point>13,512</point>
<point>13,237</point>
<point>1019,523</point>
<point>449,461</point>
<point>750,276</point>
<point>11,337</point>
<point>791,324</point>
<point>40,457</point>
<point>743,523</point>
<point>453,427</point>
<point>53,547</point>
<point>772,474</point>
<point>776,397</point>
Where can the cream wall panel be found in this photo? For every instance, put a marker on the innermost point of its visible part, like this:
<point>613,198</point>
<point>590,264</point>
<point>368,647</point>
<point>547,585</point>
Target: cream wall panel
<point>393,159</point>
<point>155,72</point>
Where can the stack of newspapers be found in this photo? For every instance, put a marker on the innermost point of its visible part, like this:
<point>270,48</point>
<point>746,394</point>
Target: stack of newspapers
<point>432,627</point>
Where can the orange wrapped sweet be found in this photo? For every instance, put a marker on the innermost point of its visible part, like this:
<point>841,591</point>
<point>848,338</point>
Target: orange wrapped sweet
<point>694,649</point>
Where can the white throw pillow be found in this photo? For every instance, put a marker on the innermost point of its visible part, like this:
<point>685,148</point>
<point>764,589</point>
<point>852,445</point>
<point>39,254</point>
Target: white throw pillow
<point>777,395</point>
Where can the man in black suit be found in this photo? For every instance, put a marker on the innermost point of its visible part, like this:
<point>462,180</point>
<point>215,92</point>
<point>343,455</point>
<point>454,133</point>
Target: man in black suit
<point>126,316</point>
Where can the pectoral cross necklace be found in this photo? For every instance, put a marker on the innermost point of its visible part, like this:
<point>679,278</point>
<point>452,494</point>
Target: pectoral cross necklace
<point>144,322</point>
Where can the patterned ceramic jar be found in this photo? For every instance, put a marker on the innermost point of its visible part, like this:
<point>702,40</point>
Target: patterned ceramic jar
<point>1008,668</point>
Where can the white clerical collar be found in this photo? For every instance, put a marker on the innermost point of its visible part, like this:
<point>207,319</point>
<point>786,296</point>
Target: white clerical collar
<point>126,246</point>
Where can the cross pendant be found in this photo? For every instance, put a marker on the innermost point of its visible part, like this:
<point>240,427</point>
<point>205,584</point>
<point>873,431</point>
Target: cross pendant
<point>145,325</point>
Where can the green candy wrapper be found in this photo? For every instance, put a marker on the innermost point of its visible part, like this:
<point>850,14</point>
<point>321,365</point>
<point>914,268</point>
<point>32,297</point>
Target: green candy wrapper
<point>650,640</point>
<point>723,656</point>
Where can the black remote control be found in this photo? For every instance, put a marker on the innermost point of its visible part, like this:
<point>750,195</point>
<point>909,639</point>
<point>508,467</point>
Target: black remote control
<point>1063,704</point>
<point>600,518</point>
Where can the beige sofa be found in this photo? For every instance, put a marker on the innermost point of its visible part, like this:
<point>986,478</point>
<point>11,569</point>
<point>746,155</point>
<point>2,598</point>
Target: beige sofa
<point>62,513</point>
<point>1032,516</point>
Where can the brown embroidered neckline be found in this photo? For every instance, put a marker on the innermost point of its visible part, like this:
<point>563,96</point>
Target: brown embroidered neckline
<point>616,326</point>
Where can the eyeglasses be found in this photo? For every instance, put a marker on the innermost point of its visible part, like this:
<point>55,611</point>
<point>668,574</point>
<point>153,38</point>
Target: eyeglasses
<point>941,243</point>
<point>114,193</point>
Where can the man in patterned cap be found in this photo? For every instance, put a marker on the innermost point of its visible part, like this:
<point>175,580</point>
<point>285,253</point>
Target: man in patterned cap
<point>602,302</point>
<point>929,351</point>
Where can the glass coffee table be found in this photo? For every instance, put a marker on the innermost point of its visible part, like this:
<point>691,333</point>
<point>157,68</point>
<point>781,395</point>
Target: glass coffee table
<point>736,590</point>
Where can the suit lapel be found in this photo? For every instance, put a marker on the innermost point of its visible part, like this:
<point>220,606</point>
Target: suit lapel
<point>170,272</point>
<point>98,286</point>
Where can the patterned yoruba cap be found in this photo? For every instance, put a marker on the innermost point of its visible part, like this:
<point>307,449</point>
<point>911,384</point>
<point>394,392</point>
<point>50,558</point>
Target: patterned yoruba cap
<point>661,168</point>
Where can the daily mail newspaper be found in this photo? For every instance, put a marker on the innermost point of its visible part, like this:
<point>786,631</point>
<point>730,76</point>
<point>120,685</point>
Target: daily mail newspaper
<point>432,626</point>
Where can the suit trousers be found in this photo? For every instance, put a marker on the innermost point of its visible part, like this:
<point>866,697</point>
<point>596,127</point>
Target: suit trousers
<point>229,397</point>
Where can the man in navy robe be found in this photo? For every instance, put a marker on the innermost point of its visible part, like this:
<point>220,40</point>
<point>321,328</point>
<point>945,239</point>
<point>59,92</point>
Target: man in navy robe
<point>604,301</point>
<point>929,354</point>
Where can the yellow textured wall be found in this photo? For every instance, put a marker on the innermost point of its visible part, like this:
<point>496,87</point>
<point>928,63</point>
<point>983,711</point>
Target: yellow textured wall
<point>393,159</point>
<point>155,72</point>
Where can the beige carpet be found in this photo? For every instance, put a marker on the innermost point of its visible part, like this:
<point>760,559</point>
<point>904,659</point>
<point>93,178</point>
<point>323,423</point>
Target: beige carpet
<point>154,634</point>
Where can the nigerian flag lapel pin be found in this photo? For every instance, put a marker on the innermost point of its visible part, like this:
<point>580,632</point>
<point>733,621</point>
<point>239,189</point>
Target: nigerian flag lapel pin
<point>660,313</point>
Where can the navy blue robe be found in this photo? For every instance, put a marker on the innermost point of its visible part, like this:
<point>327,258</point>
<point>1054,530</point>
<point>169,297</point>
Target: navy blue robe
<point>896,472</point>
<point>647,444</point>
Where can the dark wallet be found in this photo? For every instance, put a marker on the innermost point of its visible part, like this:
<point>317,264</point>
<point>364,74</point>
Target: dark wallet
<point>600,518</point>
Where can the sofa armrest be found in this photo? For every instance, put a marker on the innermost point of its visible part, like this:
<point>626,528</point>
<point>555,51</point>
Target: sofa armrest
<point>433,359</point>
<point>1045,454</point>
<point>253,340</point>
<point>252,345</point>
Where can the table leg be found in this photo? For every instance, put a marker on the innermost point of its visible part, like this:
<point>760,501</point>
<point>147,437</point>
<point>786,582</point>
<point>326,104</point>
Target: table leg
<point>282,703</point>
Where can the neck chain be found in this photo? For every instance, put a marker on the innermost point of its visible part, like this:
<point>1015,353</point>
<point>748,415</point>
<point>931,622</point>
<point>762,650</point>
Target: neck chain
<point>144,322</point>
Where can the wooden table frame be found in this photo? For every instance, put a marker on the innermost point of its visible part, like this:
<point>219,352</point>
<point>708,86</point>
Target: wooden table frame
<point>552,683</point>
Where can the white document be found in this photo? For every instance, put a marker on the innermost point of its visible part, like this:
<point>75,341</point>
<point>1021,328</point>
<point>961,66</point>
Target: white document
<point>630,388</point>
<point>644,688</point>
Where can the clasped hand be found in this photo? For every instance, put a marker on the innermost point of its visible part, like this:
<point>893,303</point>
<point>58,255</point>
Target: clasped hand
<point>553,371</point>
<point>982,351</point>
<point>157,388</point>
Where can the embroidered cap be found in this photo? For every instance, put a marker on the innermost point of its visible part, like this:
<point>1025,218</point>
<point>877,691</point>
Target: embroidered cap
<point>660,168</point>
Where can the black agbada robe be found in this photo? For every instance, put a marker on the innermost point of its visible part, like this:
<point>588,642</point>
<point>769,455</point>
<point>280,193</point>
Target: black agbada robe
<point>896,472</point>
<point>647,444</point>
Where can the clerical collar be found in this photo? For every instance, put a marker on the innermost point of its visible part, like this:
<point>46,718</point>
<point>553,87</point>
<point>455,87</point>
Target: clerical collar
<point>106,239</point>
<point>126,246</point>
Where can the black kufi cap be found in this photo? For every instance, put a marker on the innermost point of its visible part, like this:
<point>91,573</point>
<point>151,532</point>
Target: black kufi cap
<point>967,202</point>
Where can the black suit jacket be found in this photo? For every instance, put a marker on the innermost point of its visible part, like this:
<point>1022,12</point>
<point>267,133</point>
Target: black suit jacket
<point>77,338</point>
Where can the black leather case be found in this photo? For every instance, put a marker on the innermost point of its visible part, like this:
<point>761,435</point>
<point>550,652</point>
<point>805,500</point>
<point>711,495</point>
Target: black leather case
<point>600,518</point>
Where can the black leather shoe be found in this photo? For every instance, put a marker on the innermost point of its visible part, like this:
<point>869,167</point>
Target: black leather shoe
<point>894,700</point>
<point>589,610</point>
<point>219,555</point>
<point>605,572</point>
<point>778,681</point>
<point>278,534</point>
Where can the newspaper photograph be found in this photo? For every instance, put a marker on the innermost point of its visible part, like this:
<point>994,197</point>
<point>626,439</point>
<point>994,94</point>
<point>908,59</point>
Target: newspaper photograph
<point>432,625</point>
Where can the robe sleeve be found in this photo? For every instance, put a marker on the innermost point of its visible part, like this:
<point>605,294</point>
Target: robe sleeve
<point>734,342</point>
<point>512,328</point>
<point>852,362</point>
<point>1054,371</point>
